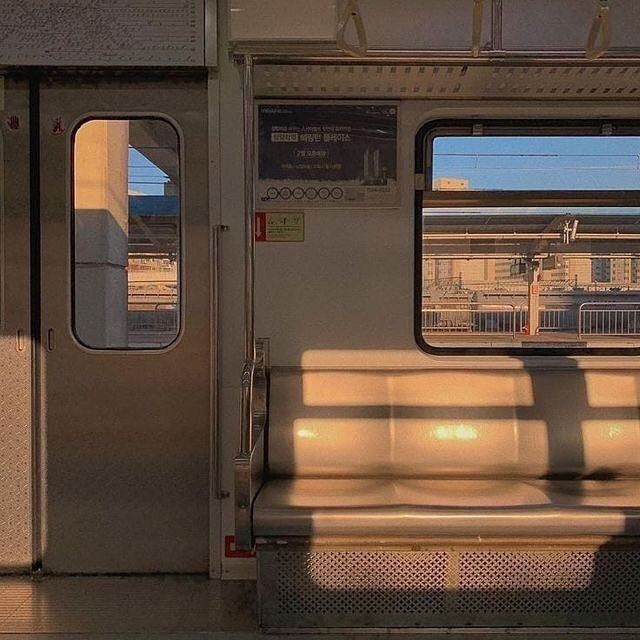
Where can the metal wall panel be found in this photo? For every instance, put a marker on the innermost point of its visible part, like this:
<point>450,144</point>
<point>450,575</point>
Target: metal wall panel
<point>15,355</point>
<point>455,81</point>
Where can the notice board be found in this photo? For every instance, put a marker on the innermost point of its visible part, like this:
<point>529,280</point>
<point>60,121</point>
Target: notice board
<point>327,155</point>
<point>102,33</point>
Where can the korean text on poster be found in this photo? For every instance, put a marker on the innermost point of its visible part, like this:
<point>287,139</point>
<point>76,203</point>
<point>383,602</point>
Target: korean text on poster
<point>327,155</point>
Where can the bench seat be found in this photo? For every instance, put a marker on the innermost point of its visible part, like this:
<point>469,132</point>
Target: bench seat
<point>447,507</point>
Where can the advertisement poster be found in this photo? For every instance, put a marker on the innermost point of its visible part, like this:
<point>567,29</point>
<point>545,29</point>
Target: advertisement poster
<point>327,155</point>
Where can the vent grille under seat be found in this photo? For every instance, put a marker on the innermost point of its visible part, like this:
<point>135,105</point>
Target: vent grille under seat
<point>364,464</point>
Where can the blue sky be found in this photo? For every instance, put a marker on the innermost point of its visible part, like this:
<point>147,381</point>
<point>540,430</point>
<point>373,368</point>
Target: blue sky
<point>498,162</point>
<point>540,162</point>
<point>145,178</point>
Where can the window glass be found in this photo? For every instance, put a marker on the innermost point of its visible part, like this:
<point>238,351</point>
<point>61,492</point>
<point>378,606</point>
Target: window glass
<point>126,225</point>
<point>537,277</point>
<point>536,163</point>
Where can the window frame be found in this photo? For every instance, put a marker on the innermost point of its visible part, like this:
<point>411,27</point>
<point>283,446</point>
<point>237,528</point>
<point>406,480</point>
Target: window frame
<point>180,280</point>
<point>426,197</point>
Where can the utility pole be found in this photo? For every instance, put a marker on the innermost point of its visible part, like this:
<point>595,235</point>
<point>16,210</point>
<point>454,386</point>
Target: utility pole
<point>533,279</point>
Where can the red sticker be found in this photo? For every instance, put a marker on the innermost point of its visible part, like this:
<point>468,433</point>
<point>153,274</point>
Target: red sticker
<point>230,550</point>
<point>261,226</point>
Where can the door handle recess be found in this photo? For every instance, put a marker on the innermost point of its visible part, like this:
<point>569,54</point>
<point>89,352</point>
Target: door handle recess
<point>51,339</point>
<point>20,340</point>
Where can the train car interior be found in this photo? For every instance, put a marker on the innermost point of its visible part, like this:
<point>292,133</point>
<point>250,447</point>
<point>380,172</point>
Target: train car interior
<point>320,318</point>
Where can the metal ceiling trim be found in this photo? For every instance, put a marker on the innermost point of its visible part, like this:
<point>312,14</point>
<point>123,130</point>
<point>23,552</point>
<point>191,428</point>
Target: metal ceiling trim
<point>309,54</point>
<point>449,80</point>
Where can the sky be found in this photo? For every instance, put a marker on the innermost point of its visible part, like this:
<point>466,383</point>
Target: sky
<point>145,178</point>
<point>540,162</point>
<point>498,163</point>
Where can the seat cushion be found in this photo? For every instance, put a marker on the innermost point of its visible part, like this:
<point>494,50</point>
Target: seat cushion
<point>424,507</point>
<point>464,425</point>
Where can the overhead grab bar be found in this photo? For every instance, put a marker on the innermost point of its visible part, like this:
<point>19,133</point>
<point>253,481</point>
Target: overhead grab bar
<point>476,35</point>
<point>351,12</point>
<point>599,38</point>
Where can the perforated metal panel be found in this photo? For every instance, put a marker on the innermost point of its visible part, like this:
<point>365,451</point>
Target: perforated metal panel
<point>542,583</point>
<point>449,587</point>
<point>350,582</point>
<point>448,81</point>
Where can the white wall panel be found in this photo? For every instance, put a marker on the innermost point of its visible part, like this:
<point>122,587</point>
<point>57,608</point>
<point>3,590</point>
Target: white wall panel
<point>565,24</point>
<point>344,297</point>
<point>431,25</point>
<point>438,25</point>
<point>282,19</point>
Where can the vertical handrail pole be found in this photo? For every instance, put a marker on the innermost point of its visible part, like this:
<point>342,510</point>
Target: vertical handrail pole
<point>216,482</point>
<point>249,256</point>
<point>249,264</point>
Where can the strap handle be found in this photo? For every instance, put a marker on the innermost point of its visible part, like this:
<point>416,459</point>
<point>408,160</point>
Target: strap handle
<point>600,35</point>
<point>352,13</point>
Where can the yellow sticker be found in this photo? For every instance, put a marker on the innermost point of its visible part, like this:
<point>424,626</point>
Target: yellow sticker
<point>273,226</point>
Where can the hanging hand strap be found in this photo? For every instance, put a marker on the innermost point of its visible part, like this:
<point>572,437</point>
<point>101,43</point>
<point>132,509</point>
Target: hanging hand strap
<point>352,12</point>
<point>600,35</point>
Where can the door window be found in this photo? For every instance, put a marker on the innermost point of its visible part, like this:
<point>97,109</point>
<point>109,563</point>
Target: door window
<point>126,234</point>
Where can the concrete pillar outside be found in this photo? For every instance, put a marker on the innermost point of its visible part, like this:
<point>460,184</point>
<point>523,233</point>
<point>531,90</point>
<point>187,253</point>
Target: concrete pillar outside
<point>101,232</point>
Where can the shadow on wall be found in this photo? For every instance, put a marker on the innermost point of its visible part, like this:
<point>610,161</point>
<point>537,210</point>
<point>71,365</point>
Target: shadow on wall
<point>554,474</point>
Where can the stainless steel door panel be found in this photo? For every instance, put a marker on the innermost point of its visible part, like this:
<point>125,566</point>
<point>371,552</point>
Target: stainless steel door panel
<point>126,435</point>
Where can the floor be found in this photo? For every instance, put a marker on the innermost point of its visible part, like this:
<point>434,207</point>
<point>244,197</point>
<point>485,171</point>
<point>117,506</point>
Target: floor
<point>131,605</point>
<point>170,608</point>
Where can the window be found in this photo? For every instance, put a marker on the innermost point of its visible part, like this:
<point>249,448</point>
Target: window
<point>530,238</point>
<point>126,234</point>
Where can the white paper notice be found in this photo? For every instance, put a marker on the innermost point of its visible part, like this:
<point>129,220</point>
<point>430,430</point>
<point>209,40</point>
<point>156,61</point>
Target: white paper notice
<point>102,33</point>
